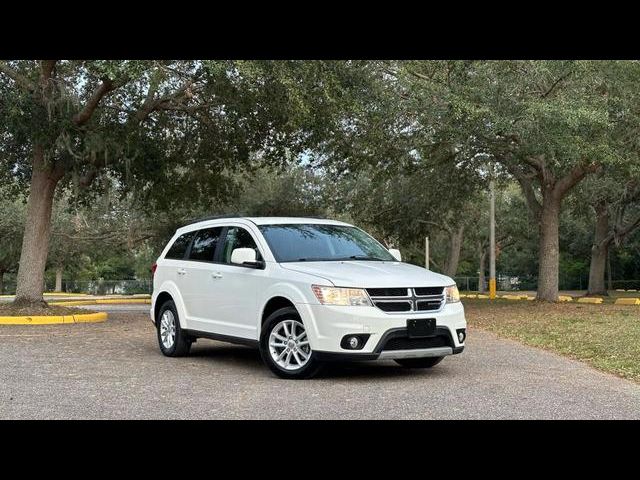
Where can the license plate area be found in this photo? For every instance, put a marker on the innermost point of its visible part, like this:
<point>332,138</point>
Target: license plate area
<point>421,327</point>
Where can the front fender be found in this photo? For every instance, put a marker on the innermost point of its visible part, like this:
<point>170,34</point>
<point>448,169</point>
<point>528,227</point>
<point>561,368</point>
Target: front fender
<point>300,299</point>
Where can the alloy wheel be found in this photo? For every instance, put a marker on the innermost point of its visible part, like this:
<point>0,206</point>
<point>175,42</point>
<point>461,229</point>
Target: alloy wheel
<point>289,346</point>
<point>168,329</point>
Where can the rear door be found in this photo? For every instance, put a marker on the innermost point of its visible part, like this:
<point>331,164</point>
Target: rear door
<point>173,265</point>
<point>200,280</point>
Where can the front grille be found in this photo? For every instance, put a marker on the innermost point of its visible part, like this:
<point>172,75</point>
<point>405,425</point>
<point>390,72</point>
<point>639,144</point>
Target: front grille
<point>406,343</point>
<point>399,300</point>
<point>422,291</point>
<point>387,292</point>
<point>394,306</point>
<point>429,305</point>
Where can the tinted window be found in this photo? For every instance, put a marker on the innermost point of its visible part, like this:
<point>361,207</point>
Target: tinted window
<point>179,247</point>
<point>238,238</point>
<point>306,242</point>
<point>204,245</point>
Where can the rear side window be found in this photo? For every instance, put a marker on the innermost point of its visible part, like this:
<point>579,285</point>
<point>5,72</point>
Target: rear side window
<point>179,247</point>
<point>204,244</point>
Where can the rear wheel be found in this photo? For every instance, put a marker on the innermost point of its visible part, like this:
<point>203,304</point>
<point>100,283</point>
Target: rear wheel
<point>172,340</point>
<point>284,345</point>
<point>425,362</point>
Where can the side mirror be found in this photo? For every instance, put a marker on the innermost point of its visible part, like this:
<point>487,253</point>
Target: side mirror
<point>246,257</point>
<point>396,254</point>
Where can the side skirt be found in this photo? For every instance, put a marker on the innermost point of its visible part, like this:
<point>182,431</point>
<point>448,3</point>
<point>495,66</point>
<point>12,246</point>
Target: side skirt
<point>222,338</point>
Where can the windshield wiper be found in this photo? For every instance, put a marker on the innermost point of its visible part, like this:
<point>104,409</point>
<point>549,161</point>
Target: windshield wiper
<point>339,259</point>
<point>366,257</point>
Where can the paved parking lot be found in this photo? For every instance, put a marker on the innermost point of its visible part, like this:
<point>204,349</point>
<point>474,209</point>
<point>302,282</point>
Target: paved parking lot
<point>115,370</point>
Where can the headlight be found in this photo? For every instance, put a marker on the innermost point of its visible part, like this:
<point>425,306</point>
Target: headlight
<point>452,293</point>
<point>341,296</point>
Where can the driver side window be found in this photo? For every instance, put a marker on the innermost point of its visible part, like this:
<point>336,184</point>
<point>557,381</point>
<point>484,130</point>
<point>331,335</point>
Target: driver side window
<point>238,238</point>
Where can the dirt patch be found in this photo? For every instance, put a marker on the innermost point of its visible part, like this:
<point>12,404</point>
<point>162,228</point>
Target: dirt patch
<point>11,310</point>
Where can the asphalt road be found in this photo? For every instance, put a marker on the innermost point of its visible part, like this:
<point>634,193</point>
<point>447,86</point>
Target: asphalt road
<point>115,370</point>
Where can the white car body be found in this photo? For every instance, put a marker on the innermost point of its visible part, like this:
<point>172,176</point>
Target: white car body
<point>228,302</point>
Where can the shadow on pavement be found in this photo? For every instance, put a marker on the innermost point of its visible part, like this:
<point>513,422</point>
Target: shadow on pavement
<point>249,357</point>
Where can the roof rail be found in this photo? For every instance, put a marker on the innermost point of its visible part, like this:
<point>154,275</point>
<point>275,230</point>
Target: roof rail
<point>212,217</point>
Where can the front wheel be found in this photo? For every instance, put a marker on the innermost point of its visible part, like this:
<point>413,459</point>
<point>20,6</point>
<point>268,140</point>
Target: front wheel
<point>425,362</point>
<point>284,346</point>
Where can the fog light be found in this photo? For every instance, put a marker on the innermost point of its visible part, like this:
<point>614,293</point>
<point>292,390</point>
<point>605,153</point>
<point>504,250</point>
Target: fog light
<point>354,342</point>
<point>462,334</point>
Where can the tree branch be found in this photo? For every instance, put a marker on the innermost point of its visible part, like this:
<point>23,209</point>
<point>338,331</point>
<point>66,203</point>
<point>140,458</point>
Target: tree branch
<point>166,102</point>
<point>538,163</point>
<point>47,68</point>
<point>107,85</point>
<point>571,179</point>
<point>555,84</point>
<point>419,75</point>
<point>22,81</point>
<point>526,185</point>
<point>620,234</point>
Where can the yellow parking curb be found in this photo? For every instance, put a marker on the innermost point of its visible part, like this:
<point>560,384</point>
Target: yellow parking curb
<point>627,301</point>
<point>567,298</point>
<point>106,301</point>
<point>514,297</point>
<point>64,294</point>
<point>590,300</point>
<point>54,319</point>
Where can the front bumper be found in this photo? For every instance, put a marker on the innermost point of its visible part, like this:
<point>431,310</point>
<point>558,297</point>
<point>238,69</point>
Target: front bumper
<point>327,325</point>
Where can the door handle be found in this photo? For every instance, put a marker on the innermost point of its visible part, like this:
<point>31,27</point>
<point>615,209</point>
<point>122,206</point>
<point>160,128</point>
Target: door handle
<point>216,274</point>
<point>182,271</point>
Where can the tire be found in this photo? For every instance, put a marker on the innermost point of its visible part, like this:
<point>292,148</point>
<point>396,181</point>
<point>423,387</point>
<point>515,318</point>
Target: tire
<point>277,323</point>
<point>425,362</point>
<point>181,344</point>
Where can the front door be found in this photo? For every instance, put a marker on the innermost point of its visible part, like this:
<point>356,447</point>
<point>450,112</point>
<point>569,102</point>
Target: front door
<point>239,286</point>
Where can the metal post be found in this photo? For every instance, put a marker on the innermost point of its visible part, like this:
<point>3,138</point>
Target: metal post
<point>426,252</point>
<point>492,238</point>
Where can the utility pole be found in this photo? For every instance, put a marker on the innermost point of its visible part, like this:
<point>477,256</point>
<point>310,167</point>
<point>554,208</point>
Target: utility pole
<point>426,252</point>
<point>492,237</point>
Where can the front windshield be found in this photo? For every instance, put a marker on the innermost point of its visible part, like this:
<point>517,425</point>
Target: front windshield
<point>317,243</point>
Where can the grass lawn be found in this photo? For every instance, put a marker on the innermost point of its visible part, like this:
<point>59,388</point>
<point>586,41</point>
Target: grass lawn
<point>604,336</point>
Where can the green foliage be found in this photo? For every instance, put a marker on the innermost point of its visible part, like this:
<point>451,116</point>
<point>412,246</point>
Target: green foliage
<point>11,226</point>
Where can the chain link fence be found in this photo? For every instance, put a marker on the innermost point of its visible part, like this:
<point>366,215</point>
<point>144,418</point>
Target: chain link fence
<point>106,287</point>
<point>510,282</point>
<point>93,287</point>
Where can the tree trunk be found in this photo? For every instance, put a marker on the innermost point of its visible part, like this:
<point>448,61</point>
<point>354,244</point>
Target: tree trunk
<point>549,252</point>
<point>455,246</point>
<point>599,251</point>
<point>59,271</point>
<point>481,270</point>
<point>37,231</point>
<point>609,273</point>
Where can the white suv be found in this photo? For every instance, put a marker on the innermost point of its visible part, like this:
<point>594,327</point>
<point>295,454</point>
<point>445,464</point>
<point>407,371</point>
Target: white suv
<point>303,290</point>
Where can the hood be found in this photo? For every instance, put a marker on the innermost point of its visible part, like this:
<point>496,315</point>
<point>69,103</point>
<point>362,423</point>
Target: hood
<point>364,274</point>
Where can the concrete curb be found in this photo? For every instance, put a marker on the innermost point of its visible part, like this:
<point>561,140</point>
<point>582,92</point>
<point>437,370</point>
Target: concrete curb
<point>106,301</point>
<point>55,319</point>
